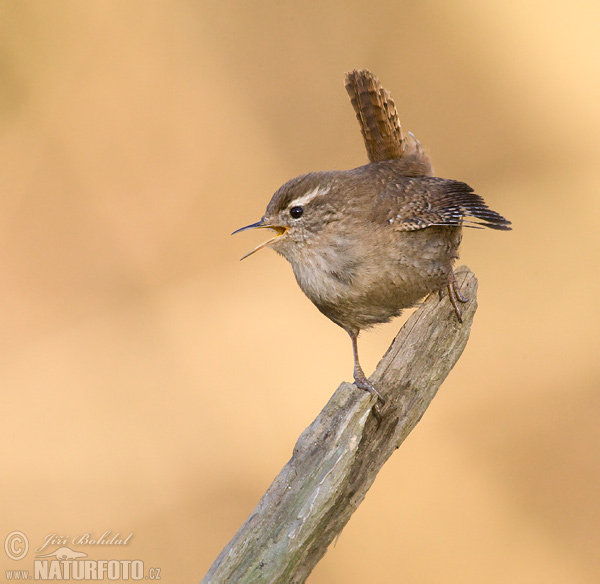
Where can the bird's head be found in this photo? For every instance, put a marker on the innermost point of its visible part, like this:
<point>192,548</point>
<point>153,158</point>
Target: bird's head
<point>298,210</point>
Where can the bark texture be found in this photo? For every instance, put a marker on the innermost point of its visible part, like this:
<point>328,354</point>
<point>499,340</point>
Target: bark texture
<point>337,458</point>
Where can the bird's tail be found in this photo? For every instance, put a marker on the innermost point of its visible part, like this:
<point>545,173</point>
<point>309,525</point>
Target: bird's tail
<point>379,124</point>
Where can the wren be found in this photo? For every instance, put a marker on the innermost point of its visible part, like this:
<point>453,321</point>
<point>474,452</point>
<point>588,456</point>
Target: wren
<point>366,243</point>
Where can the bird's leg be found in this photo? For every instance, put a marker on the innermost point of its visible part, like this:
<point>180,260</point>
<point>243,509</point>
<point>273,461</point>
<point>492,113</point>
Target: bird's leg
<point>361,381</point>
<point>455,295</point>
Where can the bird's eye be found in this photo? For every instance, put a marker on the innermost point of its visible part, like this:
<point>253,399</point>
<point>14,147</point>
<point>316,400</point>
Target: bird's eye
<point>296,212</point>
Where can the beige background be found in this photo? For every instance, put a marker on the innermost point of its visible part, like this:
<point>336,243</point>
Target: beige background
<point>151,383</point>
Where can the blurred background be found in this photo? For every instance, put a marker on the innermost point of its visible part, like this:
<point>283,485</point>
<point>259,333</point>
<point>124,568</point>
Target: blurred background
<point>153,384</point>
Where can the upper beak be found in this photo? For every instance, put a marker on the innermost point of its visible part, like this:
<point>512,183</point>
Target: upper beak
<point>261,225</point>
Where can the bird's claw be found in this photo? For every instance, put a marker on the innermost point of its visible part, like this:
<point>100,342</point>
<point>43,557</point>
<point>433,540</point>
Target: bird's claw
<point>363,383</point>
<point>456,296</point>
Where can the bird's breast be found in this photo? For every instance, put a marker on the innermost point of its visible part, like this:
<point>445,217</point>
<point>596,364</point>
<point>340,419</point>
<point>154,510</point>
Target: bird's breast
<point>326,273</point>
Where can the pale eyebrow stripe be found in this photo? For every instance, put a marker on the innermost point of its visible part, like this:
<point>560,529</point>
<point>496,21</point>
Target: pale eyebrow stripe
<point>307,197</point>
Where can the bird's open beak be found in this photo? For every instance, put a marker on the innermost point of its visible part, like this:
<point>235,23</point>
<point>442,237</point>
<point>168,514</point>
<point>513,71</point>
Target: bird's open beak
<point>261,225</point>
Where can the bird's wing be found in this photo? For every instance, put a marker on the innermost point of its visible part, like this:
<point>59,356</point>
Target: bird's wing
<point>409,204</point>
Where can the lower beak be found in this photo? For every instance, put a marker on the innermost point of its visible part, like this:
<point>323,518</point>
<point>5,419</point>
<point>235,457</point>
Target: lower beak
<point>261,225</point>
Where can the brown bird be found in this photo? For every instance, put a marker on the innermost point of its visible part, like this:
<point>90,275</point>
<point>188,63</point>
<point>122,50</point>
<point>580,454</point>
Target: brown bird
<point>366,243</point>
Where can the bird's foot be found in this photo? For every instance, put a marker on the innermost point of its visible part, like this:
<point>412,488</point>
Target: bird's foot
<point>455,295</point>
<point>363,383</point>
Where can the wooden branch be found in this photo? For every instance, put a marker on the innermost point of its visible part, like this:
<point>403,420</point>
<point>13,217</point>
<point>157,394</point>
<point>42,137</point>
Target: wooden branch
<point>337,458</point>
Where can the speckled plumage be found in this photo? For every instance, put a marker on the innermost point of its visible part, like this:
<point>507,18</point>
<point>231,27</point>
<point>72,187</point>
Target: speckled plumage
<point>377,240</point>
<point>368,242</point>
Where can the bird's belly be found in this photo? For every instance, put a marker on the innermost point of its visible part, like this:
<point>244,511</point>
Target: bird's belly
<point>358,292</point>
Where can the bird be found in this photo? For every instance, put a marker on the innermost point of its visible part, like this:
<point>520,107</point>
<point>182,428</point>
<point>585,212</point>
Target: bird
<point>366,243</point>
